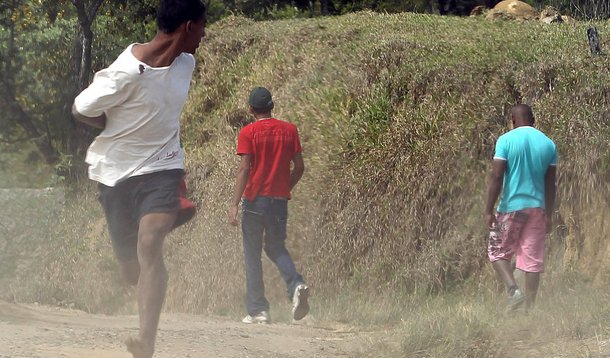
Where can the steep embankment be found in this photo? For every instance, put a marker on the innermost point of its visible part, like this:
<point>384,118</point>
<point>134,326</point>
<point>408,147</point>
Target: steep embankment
<point>398,116</point>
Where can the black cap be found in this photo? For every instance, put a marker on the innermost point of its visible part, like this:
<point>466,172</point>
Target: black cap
<point>260,99</point>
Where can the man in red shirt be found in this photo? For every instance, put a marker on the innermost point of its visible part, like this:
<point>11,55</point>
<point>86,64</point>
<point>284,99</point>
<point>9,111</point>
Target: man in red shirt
<point>264,180</point>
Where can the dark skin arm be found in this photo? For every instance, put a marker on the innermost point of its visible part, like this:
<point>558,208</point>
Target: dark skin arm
<point>550,190</point>
<point>243,172</point>
<point>297,170</point>
<point>97,122</point>
<point>495,186</point>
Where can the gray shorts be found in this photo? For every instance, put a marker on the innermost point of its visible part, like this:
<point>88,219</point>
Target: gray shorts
<point>127,202</point>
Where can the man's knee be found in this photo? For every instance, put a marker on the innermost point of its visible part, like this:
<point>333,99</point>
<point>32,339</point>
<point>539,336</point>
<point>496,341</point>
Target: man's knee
<point>275,250</point>
<point>151,233</point>
<point>150,247</point>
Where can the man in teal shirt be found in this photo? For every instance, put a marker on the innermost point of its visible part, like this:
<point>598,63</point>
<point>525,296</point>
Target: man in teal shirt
<point>524,170</point>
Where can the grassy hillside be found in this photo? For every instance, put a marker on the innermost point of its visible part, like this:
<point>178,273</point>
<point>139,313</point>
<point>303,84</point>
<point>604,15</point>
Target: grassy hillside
<point>398,116</point>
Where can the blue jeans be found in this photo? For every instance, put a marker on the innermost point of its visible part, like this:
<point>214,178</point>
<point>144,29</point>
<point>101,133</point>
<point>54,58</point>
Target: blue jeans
<point>264,222</point>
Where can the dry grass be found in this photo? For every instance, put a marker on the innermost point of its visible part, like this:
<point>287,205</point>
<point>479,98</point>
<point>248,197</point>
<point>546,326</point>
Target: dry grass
<point>569,321</point>
<point>398,116</point>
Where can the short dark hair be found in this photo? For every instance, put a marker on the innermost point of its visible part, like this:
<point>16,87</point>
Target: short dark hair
<point>524,113</point>
<point>260,100</point>
<point>172,13</point>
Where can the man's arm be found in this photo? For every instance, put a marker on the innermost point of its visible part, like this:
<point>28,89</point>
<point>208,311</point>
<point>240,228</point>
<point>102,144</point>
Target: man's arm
<point>297,170</point>
<point>550,190</point>
<point>243,171</point>
<point>97,122</point>
<point>495,186</point>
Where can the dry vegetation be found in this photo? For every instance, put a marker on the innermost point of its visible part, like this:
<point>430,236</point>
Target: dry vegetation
<point>398,116</point>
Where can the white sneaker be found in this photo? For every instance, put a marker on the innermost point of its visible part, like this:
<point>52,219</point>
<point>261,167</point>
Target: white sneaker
<point>300,307</point>
<point>514,301</point>
<point>262,317</point>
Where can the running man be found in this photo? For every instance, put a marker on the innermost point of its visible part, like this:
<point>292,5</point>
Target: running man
<point>137,159</point>
<point>263,184</point>
<point>524,169</point>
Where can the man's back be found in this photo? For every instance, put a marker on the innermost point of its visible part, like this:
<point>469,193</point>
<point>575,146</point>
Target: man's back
<point>263,183</point>
<point>272,144</point>
<point>528,154</point>
<point>142,105</point>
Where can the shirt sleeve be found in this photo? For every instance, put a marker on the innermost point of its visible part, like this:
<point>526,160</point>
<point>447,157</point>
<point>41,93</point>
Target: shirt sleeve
<point>554,156</point>
<point>501,152</point>
<point>106,91</point>
<point>244,142</point>
<point>297,141</point>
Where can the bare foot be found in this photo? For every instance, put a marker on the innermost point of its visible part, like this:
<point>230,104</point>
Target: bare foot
<point>136,348</point>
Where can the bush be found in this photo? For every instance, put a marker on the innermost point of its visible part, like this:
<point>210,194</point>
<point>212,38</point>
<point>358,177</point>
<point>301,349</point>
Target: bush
<point>584,9</point>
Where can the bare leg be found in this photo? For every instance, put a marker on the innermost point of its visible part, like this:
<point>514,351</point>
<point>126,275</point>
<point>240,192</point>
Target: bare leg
<point>152,281</point>
<point>504,270</point>
<point>532,281</point>
<point>131,271</point>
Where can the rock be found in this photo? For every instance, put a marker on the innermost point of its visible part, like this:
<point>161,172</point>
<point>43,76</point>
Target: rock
<point>513,10</point>
<point>568,19</point>
<point>550,15</point>
<point>549,11</point>
<point>553,19</point>
<point>594,43</point>
<point>479,10</point>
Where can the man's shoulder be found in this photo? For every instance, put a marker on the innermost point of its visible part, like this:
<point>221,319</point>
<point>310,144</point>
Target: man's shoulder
<point>545,136</point>
<point>287,124</point>
<point>124,68</point>
<point>522,135</point>
<point>502,139</point>
<point>266,124</point>
<point>540,137</point>
<point>520,132</point>
<point>125,61</point>
<point>186,61</point>
<point>187,57</point>
<point>271,121</point>
<point>246,128</point>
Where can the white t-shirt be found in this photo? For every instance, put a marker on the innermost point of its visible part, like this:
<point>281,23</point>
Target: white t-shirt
<point>142,106</point>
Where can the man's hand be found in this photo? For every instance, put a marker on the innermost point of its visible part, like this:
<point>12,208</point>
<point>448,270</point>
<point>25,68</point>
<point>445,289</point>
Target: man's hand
<point>490,220</point>
<point>233,211</point>
<point>495,186</point>
<point>243,172</point>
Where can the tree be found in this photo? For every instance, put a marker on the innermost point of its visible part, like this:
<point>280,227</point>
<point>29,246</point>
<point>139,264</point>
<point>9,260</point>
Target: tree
<point>47,55</point>
<point>86,11</point>
<point>583,9</point>
<point>13,14</point>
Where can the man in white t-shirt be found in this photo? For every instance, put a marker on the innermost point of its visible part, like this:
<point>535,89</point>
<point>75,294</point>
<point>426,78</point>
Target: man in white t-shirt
<point>137,159</point>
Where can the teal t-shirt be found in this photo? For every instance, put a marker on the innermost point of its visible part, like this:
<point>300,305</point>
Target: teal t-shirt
<point>528,154</point>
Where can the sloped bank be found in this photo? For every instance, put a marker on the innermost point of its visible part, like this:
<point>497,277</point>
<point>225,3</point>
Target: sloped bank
<point>398,115</point>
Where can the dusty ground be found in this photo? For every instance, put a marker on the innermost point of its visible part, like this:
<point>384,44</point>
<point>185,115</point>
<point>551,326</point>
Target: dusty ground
<point>37,331</point>
<point>49,332</point>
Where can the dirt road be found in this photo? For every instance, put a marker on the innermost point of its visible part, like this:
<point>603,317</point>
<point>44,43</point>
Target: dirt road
<point>38,331</point>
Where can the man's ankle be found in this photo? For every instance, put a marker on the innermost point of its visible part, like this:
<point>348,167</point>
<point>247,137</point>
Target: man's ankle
<point>511,289</point>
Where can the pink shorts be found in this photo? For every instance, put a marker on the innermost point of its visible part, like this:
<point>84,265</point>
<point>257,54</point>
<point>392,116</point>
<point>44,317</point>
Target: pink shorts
<point>520,233</point>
